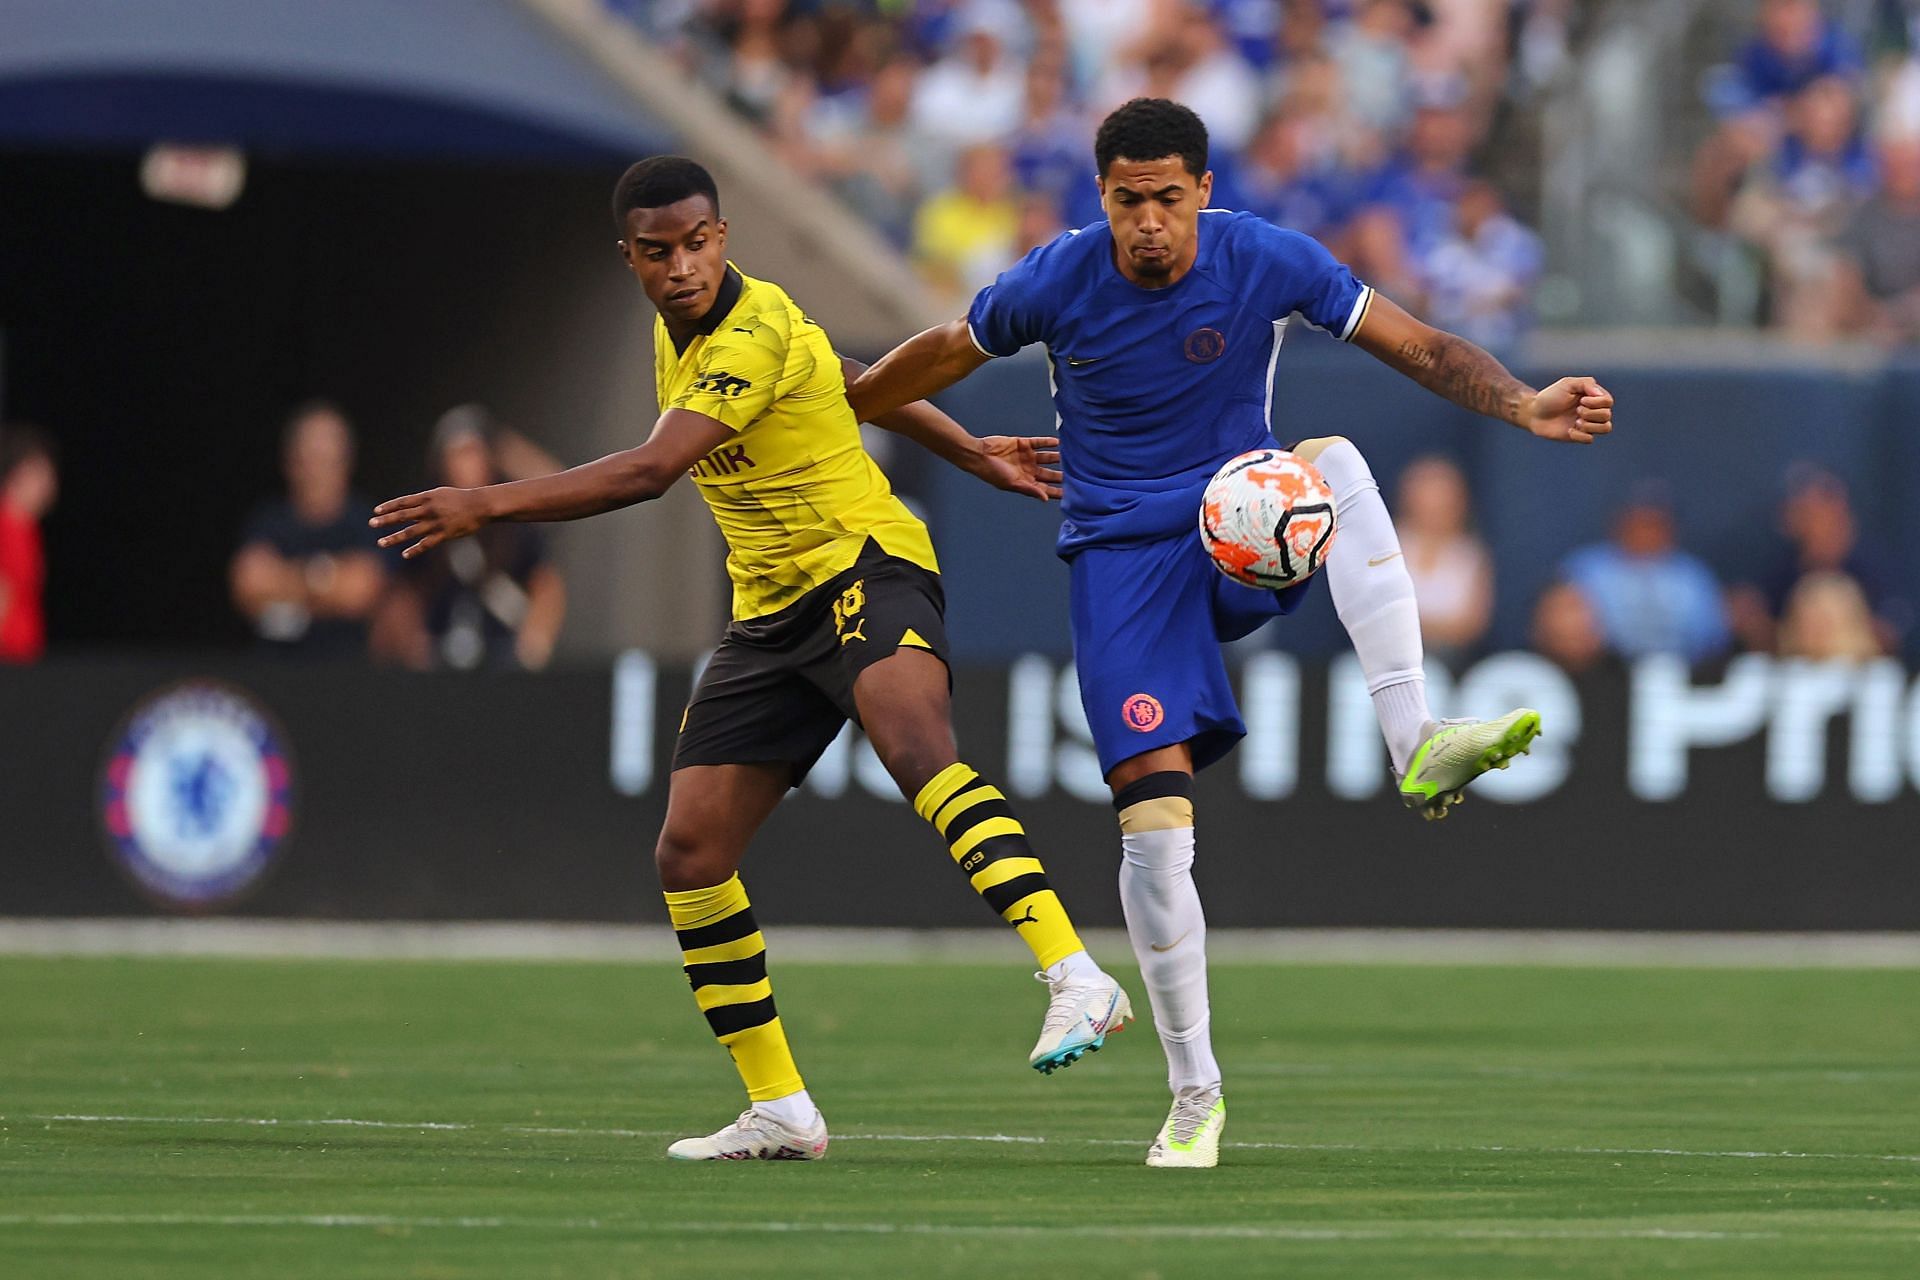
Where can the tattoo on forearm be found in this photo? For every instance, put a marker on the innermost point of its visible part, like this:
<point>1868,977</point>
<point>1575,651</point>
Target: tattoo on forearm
<point>1463,373</point>
<point>1416,354</point>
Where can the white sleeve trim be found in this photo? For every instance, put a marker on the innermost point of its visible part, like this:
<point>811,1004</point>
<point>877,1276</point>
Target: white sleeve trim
<point>1359,313</point>
<point>980,346</point>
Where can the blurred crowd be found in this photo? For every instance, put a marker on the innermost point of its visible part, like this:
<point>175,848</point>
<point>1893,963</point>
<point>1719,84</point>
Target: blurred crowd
<point>963,129</point>
<point>1830,593</point>
<point>1814,165</point>
<point>311,581</point>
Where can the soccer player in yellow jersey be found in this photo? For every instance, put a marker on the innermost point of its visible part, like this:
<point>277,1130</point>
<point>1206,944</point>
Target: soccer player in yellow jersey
<point>837,615</point>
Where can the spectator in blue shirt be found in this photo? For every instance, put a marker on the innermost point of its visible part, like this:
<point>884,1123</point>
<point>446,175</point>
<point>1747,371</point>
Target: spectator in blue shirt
<point>1649,596</point>
<point>1276,181</point>
<point>1793,208</point>
<point>1049,150</point>
<point>1421,186</point>
<point>1794,46</point>
<point>1479,281</point>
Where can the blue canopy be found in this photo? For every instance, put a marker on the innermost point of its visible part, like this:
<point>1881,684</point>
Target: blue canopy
<point>481,79</point>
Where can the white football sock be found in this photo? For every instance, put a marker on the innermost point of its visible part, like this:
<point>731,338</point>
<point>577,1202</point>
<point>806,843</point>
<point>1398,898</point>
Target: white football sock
<point>1079,966</point>
<point>1373,595</point>
<point>1168,930</point>
<point>1190,1060</point>
<point>1402,711</point>
<point>796,1110</point>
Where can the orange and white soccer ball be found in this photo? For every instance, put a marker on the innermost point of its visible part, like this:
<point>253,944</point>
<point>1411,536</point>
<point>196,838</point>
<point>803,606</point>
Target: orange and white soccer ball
<point>1267,519</point>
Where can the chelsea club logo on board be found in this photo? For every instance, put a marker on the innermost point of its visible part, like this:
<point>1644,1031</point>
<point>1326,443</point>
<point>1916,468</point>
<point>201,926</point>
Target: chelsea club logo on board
<point>197,794</point>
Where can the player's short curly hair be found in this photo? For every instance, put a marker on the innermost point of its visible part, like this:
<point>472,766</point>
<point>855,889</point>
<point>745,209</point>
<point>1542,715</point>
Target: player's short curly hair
<point>1150,129</point>
<point>661,180</point>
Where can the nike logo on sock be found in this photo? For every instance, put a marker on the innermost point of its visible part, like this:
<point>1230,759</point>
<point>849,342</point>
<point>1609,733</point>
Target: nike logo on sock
<point>1171,945</point>
<point>1374,562</point>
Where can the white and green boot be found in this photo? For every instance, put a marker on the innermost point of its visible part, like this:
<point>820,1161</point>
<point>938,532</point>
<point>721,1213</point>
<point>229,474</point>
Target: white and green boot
<point>1190,1139</point>
<point>1453,753</point>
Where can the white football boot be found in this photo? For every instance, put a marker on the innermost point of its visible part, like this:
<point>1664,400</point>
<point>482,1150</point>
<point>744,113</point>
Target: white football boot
<point>1080,1016</point>
<point>1190,1139</point>
<point>1453,753</point>
<point>756,1137</point>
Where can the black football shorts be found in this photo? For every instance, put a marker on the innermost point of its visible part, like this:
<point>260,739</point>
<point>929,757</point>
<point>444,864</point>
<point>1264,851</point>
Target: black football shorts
<point>779,688</point>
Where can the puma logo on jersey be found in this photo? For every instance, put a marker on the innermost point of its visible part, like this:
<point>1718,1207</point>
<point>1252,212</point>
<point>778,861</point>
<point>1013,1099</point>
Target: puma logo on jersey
<point>721,384</point>
<point>853,632</point>
<point>722,462</point>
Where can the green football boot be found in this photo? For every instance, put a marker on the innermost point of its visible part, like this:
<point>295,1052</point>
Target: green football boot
<point>1455,752</point>
<point>1190,1139</point>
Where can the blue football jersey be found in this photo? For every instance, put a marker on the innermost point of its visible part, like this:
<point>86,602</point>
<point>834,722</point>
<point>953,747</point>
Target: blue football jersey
<point>1156,388</point>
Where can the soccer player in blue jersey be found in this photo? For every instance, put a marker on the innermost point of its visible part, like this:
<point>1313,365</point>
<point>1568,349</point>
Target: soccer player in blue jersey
<point>1163,325</point>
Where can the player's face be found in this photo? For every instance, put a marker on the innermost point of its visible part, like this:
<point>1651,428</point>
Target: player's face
<point>1154,207</point>
<point>679,254</point>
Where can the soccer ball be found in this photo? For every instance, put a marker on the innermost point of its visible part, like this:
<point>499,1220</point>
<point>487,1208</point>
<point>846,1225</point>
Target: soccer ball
<point>1267,519</point>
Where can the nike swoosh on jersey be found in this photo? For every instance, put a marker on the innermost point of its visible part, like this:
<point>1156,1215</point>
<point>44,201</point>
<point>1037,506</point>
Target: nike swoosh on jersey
<point>1375,562</point>
<point>1074,362</point>
<point>1171,945</point>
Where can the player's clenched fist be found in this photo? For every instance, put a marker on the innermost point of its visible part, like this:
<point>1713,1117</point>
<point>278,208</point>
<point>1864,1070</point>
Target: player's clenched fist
<point>425,520</point>
<point>1572,409</point>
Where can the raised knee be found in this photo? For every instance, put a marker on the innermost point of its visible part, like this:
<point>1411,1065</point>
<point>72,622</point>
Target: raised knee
<point>684,862</point>
<point>1311,449</point>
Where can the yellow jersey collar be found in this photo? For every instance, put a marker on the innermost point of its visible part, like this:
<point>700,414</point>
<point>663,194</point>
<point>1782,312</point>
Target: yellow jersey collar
<point>724,302</point>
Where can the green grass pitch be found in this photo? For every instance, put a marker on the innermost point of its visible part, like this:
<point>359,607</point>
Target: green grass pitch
<point>191,1118</point>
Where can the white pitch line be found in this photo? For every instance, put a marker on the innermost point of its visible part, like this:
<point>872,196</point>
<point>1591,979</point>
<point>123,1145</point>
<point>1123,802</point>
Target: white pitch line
<point>1032,1139</point>
<point>1220,1231</point>
<point>273,1122</point>
<point>268,1122</point>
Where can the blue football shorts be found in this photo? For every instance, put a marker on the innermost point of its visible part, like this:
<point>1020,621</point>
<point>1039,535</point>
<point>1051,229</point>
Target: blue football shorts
<point>1148,623</point>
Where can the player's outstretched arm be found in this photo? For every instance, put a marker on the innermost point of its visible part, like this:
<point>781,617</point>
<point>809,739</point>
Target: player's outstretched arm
<point>1019,464</point>
<point>1573,409</point>
<point>422,521</point>
<point>924,365</point>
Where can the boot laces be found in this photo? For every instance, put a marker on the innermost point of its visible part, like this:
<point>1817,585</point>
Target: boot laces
<point>1191,1107</point>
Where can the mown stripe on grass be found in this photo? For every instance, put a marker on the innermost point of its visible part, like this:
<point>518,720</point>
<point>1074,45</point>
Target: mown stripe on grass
<point>1217,1231</point>
<point>537,941</point>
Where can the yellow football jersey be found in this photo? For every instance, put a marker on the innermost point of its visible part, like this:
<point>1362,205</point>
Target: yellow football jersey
<point>795,495</point>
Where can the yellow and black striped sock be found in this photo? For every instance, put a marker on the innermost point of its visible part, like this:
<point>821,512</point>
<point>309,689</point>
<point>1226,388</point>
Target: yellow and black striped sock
<point>726,962</point>
<point>990,846</point>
